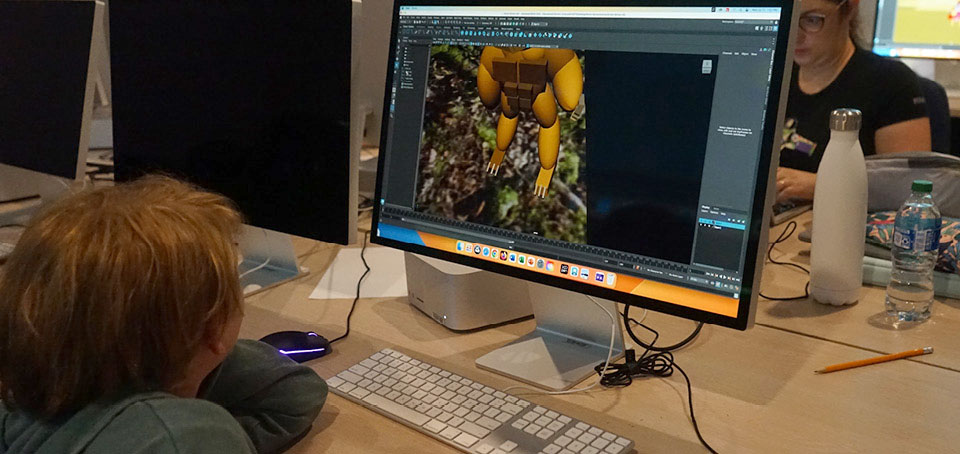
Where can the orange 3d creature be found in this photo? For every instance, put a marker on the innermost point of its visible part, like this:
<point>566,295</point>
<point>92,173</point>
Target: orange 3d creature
<point>517,79</point>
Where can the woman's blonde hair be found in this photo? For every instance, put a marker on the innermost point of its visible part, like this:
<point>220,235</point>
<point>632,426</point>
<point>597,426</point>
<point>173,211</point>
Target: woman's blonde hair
<point>113,290</point>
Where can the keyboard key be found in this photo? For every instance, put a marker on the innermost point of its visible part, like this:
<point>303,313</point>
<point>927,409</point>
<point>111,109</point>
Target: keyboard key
<point>497,403</point>
<point>552,414</point>
<point>520,424</point>
<point>433,412</point>
<point>376,356</point>
<point>358,369</point>
<point>555,426</point>
<point>484,449</point>
<point>434,426</point>
<point>347,387</point>
<point>576,446</point>
<point>455,421</point>
<point>551,449</point>
<point>491,413</point>
<point>403,399</point>
<point>420,394</point>
<point>484,399</point>
<point>383,391</point>
<point>532,429</point>
<point>430,398</point>
<point>349,376</point>
<point>369,363</point>
<point>564,419</point>
<point>539,409</point>
<point>573,432</point>
<point>423,408</point>
<point>335,382</point>
<point>589,450</point>
<point>499,394</point>
<point>488,423</point>
<point>504,417</point>
<point>596,431</point>
<point>510,399</point>
<point>472,416</point>
<point>530,416</point>
<point>543,420</point>
<point>511,408</point>
<point>473,429</point>
<point>454,397</point>
<point>562,440</point>
<point>418,382</point>
<point>622,441</point>
<point>508,446</point>
<point>545,433</point>
<point>583,426</point>
<point>449,433</point>
<point>600,443</point>
<point>586,438</point>
<point>395,409</point>
<point>609,436</point>
<point>482,408</point>
<point>359,392</point>
<point>459,411</point>
<point>613,448</point>
<point>522,403</point>
<point>465,440</point>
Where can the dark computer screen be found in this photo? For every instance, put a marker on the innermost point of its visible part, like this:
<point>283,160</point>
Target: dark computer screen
<point>621,150</point>
<point>43,79</point>
<point>249,98</point>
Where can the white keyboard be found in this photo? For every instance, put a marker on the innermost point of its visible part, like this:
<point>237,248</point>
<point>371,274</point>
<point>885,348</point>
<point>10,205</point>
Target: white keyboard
<point>465,414</point>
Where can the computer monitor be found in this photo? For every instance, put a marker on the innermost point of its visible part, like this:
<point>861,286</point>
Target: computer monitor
<point>248,98</point>
<point>624,151</point>
<point>918,29</point>
<point>374,43</point>
<point>47,85</point>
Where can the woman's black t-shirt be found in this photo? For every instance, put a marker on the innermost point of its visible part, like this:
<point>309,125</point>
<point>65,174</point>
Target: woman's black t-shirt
<point>885,90</point>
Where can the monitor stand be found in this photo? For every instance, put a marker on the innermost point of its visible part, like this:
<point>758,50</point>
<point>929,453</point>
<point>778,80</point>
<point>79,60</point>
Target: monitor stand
<point>572,336</point>
<point>258,245</point>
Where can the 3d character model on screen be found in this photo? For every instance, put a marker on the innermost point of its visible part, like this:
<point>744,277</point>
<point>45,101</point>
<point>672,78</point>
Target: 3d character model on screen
<point>536,80</point>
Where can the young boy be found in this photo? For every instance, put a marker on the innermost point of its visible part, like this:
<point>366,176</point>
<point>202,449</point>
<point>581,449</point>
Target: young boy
<point>119,314</point>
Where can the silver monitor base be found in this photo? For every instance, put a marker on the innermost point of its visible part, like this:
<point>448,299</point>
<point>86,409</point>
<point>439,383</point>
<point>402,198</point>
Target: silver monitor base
<point>571,338</point>
<point>256,247</point>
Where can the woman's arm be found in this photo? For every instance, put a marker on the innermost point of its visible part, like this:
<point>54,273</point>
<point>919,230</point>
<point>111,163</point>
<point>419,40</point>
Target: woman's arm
<point>274,399</point>
<point>910,135</point>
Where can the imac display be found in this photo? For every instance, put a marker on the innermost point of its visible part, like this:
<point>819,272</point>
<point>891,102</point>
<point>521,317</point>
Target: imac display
<point>918,29</point>
<point>247,98</point>
<point>623,150</point>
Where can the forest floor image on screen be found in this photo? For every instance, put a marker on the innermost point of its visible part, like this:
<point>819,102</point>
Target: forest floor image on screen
<point>504,141</point>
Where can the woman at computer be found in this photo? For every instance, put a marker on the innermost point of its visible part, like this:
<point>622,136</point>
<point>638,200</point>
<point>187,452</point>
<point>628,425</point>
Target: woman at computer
<point>831,71</point>
<point>120,309</point>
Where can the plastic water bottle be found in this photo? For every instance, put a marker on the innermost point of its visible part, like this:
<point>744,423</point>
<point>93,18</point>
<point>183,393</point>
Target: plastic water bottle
<point>916,244</point>
<point>839,214</point>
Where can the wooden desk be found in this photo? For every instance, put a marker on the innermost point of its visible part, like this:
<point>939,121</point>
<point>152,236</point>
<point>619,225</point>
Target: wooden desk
<point>863,324</point>
<point>754,391</point>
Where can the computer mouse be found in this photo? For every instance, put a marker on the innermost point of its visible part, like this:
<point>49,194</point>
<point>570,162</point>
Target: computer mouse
<point>299,346</point>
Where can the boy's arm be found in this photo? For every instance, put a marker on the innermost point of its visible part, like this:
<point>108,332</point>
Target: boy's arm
<point>273,398</point>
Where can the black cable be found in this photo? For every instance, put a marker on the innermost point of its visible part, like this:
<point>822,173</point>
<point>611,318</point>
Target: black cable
<point>784,236</point>
<point>659,364</point>
<point>359,281</point>
<point>626,312</point>
<point>696,427</point>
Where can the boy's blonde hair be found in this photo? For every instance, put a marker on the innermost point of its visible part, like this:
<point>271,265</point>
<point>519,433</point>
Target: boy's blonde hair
<point>113,291</point>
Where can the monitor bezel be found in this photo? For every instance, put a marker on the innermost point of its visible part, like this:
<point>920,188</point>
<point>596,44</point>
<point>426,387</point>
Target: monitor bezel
<point>763,198</point>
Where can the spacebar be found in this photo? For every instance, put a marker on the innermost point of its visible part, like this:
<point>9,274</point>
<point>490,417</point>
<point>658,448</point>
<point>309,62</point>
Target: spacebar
<point>396,409</point>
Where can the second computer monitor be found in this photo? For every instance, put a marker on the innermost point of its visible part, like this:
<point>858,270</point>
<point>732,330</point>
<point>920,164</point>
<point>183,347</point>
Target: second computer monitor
<point>918,29</point>
<point>623,151</point>
<point>249,98</point>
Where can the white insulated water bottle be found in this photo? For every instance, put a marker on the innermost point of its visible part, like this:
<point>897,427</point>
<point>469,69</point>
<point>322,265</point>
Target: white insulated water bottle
<point>839,214</point>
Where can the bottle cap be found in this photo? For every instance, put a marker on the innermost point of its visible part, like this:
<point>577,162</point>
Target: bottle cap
<point>922,186</point>
<point>846,120</point>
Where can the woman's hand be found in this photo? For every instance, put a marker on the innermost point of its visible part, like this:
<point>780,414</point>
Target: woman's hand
<point>795,184</point>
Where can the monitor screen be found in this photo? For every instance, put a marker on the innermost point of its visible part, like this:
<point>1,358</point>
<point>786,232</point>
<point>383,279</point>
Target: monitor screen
<point>619,151</point>
<point>247,98</point>
<point>918,29</point>
<point>43,83</point>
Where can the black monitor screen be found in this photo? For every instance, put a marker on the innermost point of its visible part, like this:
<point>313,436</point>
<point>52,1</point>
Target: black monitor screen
<point>44,56</point>
<point>621,150</point>
<point>247,98</point>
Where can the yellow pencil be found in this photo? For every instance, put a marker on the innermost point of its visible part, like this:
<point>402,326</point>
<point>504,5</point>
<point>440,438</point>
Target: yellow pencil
<point>875,360</point>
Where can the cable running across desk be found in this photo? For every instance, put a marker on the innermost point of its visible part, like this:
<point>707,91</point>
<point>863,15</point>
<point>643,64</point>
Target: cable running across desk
<point>359,281</point>
<point>659,364</point>
<point>784,236</point>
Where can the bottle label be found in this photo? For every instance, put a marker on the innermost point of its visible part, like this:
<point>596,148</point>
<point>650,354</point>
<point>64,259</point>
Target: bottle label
<point>925,240</point>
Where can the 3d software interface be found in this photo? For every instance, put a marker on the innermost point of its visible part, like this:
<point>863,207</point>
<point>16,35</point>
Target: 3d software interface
<point>623,141</point>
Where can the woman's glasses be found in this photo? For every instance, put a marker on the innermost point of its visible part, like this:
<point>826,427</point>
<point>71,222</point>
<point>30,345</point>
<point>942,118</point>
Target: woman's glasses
<point>813,22</point>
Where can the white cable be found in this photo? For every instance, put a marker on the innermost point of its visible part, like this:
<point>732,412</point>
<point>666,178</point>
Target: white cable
<point>256,268</point>
<point>613,338</point>
<point>260,266</point>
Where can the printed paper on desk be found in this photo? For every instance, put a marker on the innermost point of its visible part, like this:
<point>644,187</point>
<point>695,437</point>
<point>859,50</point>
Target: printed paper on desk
<point>387,278</point>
